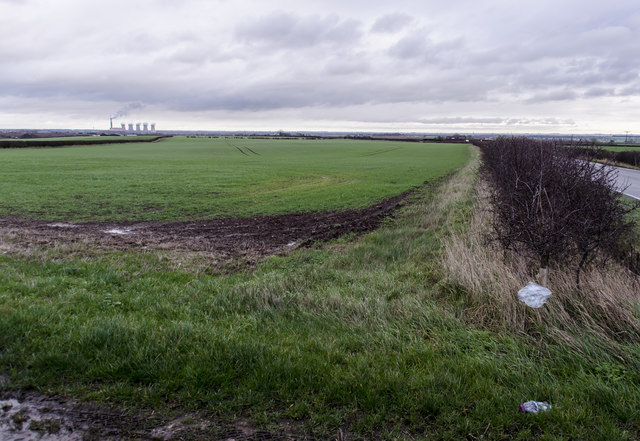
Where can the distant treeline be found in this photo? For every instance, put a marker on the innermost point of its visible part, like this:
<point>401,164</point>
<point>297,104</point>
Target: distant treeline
<point>628,157</point>
<point>43,142</point>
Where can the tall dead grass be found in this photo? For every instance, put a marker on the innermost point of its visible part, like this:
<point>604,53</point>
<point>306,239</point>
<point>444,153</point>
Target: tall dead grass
<point>607,306</point>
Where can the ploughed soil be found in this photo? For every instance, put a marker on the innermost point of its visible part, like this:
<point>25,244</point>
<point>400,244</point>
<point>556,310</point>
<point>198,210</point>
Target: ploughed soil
<point>233,237</point>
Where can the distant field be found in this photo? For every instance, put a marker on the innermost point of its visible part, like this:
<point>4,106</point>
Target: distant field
<point>623,148</point>
<point>181,178</point>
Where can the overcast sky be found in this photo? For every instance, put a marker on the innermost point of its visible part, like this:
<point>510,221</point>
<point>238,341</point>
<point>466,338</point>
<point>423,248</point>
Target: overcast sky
<point>560,66</point>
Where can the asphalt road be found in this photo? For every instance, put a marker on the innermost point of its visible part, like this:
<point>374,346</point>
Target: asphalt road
<point>631,180</point>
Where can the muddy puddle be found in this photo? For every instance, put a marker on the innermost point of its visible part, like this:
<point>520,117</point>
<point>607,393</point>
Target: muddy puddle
<point>33,417</point>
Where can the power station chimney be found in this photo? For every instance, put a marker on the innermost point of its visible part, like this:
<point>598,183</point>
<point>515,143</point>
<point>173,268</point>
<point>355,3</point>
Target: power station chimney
<point>145,127</point>
<point>137,127</point>
<point>111,123</point>
<point>131,127</point>
<point>153,127</point>
<point>123,126</point>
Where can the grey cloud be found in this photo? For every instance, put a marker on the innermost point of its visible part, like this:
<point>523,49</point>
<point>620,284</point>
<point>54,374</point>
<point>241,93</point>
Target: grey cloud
<point>603,38</point>
<point>291,93</point>
<point>599,91</point>
<point>411,46</point>
<point>391,23</point>
<point>285,30</point>
<point>418,47</point>
<point>348,65</point>
<point>633,90</point>
<point>493,121</point>
<point>461,120</point>
<point>539,122</point>
<point>553,95</point>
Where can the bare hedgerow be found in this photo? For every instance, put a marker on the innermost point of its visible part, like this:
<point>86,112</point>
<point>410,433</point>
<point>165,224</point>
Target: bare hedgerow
<point>551,206</point>
<point>491,277</point>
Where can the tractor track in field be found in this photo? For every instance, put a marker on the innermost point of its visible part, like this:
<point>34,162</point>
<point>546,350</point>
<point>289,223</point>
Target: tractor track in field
<point>243,149</point>
<point>256,236</point>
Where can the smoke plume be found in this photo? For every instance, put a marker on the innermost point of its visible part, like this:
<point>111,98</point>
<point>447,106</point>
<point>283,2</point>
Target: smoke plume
<point>126,110</point>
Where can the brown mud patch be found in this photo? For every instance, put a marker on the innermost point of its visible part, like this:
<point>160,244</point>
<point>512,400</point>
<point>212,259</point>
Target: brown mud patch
<point>257,236</point>
<point>33,417</point>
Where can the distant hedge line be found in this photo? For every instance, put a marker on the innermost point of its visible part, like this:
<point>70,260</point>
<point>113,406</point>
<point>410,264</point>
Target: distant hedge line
<point>625,157</point>
<point>17,143</point>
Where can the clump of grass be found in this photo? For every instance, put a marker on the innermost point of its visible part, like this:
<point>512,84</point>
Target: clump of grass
<point>487,279</point>
<point>46,426</point>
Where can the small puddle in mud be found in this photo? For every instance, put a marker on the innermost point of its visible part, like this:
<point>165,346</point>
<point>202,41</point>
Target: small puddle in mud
<point>34,417</point>
<point>61,225</point>
<point>118,231</point>
<point>27,421</point>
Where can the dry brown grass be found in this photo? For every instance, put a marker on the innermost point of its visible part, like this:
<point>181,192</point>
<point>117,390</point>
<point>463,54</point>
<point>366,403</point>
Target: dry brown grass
<point>607,306</point>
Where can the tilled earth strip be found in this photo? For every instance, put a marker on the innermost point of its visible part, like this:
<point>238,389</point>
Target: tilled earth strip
<point>259,236</point>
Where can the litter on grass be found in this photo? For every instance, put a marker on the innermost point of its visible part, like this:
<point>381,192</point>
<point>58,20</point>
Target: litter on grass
<point>535,406</point>
<point>534,295</point>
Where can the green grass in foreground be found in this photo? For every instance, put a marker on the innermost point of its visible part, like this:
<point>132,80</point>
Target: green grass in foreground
<point>182,178</point>
<point>358,336</point>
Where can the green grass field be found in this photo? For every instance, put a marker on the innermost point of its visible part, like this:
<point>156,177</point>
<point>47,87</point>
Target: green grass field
<point>182,178</point>
<point>623,148</point>
<point>361,337</point>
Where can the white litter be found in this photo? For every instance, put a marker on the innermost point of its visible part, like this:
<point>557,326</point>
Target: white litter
<point>534,295</point>
<point>61,225</point>
<point>535,406</point>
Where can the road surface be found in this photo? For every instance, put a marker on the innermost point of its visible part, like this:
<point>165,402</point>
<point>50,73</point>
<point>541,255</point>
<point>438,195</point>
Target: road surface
<point>631,180</point>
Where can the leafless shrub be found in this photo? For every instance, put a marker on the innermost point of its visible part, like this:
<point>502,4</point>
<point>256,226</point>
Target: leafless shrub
<point>551,206</point>
<point>490,276</point>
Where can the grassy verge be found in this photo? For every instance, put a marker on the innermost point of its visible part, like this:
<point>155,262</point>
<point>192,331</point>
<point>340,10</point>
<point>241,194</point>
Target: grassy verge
<point>616,164</point>
<point>369,338</point>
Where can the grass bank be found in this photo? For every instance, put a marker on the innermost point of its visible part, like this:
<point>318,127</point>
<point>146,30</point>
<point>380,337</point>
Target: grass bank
<point>365,338</point>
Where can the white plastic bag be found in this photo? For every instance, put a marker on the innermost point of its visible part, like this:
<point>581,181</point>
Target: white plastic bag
<point>534,295</point>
